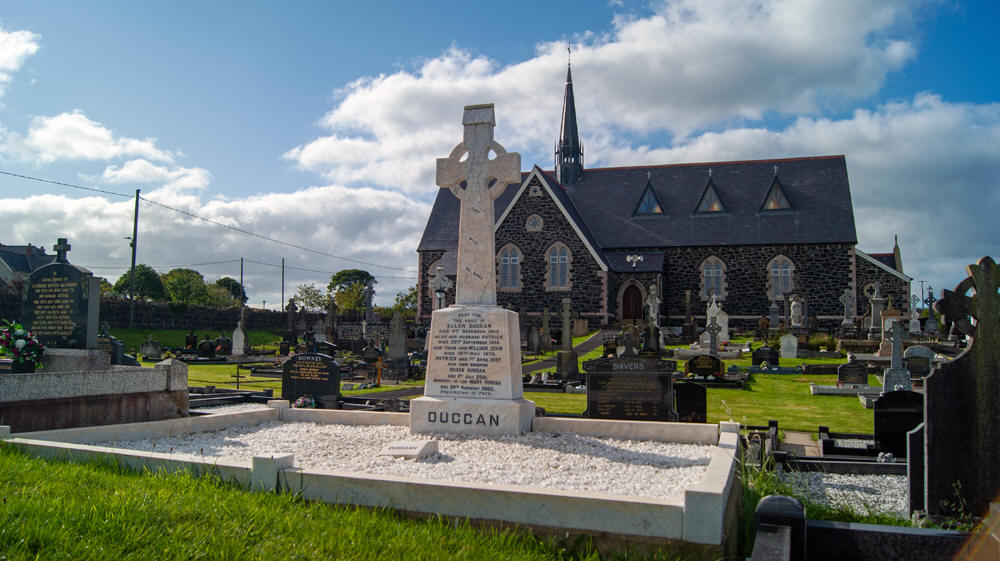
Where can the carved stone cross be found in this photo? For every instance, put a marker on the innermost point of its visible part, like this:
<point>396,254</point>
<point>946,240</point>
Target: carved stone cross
<point>847,299</point>
<point>61,248</point>
<point>485,180</point>
<point>713,331</point>
<point>567,332</point>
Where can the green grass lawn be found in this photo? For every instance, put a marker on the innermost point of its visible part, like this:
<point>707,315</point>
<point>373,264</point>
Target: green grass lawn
<point>222,376</point>
<point>132,338</point>
<point>533,358</point>
<point>56,510</point>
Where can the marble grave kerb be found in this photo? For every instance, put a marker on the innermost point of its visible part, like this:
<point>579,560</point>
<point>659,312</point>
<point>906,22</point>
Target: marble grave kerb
<point>474,383</point>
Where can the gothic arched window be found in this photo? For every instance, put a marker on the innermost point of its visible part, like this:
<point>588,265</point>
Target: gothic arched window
<point>509,260</point>
<point>558,273</point>
<point>779,272</point>
<point>713,278</point>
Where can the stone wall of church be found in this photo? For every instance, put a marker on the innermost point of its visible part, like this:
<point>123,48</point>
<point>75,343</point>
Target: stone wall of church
<point>890,286</point>
<point>822,272</point>
<point>425,304</point>
<point>617,280</point>
<point>586,279</point>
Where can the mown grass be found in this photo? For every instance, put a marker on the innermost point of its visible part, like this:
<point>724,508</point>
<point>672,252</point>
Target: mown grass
<point>530,358</point>
<point>132,338</point>
<point>222,376</point>
<point>97,511</point>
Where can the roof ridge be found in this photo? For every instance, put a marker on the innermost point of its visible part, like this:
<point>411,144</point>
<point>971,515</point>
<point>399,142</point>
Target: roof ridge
<point>722,163</point>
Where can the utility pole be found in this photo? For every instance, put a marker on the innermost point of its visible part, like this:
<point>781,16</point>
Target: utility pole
<point>282,281</point>
<point>131,276</point>
<point>242,292</point>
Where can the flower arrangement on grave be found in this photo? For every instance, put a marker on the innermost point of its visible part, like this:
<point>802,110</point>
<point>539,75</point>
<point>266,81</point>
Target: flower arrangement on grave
<point>304,402</point>
<point>20,344</point>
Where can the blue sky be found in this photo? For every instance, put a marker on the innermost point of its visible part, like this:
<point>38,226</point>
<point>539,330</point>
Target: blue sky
<point>318,123</point>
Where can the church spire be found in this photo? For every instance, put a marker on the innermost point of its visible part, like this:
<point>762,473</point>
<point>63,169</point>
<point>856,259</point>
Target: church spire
<point>569,149</point>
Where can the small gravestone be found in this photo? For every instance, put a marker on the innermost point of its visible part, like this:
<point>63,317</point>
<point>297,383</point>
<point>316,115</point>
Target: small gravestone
<point>705,366</point>
<point>534,340</point>
<point>240,343</point>
<point>852,373</point>
<point>319,330</point>
<point>410,449</point>
<point>396,355</point>
<point>789,346</point>
<point>150,349</point>
<point>224,345</point>
<point>765,354</point>
<point>60,303</point>
<point>897,413</point>
<point>918,360</point>
<point>896,378</point>
<point>310,374</point>
<point>931,327</point>
<point>113,347</point>
<point>206,349</point>
<point>691,402</point>
<point>284,348</point>
<point>191,341</point>
<point>630,388</point>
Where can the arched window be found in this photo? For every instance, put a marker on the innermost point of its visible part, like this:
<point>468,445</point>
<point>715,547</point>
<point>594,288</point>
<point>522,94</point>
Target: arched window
<point>779,272</point>
<point>558,273</point>
<point>509,260</point>
<point>713,278</point>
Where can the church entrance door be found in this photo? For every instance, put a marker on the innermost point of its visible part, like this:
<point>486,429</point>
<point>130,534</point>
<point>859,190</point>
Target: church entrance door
<point>631,305</point>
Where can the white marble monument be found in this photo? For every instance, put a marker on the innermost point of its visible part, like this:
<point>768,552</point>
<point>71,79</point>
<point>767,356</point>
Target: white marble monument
<point>473,381</point>
<point>714,310</point>
<point>789,346</point>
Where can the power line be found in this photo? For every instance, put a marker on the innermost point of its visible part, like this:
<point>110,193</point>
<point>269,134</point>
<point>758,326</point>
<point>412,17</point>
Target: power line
<point>319,271</point>
<point>210,221</point>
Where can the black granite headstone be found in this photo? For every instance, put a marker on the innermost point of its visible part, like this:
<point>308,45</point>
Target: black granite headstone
<point>224,345</point>
<point>765,354</point>
<point>630,388</point>
<point>310,374</point>
<point>915,467</point>
<point>691,402</point>
<point>897,413</point>
<point>206,349</point>
<point>114,348</point>
<point>284,348</point>
<point>852,373</point>
<point>60,306</point>
<point>191,341</point>
<point>8,366</point>
<point>705,365</point>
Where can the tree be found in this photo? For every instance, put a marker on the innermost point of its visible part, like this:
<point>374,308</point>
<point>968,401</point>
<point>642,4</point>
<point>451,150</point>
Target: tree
<point>107,289</point>
<point>185,286</point>
<point>352,289</point>
<point>148,284</point>
<point>311,298</point>
<point>234,288</point>
<point>406,303</point>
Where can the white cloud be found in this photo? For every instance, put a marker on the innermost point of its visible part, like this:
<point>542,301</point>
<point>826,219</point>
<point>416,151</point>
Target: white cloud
<point>15,47</point>
<point>176,179</point>
<point>74,137</point>
<point>689,66</point>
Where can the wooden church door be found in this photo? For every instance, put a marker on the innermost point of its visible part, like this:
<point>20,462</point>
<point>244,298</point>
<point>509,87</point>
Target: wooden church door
<point>631,305</point>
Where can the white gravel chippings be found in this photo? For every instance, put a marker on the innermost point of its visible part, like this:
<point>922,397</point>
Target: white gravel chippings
<point>564,461</point>
<point>864,494</point>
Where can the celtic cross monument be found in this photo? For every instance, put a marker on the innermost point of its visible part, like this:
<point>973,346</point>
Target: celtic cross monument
<point>473,383</point>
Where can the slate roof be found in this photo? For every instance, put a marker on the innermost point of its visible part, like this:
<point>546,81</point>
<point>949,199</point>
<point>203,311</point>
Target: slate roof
<point>17,259</point>
<point>887,259</point>
<point>603,202</point>
<point>817,189</point>
<point>441,231</point>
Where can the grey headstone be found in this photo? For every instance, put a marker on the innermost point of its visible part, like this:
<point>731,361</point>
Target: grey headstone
<point>61,304</point>
<point>919,360</point>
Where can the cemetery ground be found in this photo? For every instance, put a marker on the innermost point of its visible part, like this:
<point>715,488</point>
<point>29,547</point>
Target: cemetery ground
<point>95,511</point>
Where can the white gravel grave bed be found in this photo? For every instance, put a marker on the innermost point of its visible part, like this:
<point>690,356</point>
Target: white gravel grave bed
<point>237,408</point>
<point>862,493</point>
<point>552,460</point>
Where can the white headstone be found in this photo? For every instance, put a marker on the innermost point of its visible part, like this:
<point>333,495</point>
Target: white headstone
<point>721,318</point>
<point>474,383</point>
<point>239,339</point>
<point>789,346</point>
<point>319,331</point>
<point>914,326</point>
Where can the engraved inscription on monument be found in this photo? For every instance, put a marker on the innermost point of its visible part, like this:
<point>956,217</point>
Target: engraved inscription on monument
<point>53,299</point>
<point>467,357</point>
<point>310,374</point>
<point>639,389</point>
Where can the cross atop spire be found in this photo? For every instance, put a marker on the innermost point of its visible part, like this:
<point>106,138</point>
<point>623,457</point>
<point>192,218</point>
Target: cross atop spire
<point>775,170</point>
<point>710,172</point>
<point>649,174</point>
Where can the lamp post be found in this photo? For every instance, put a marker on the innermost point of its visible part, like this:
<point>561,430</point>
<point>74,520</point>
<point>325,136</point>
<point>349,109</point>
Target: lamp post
<point>440,296</point>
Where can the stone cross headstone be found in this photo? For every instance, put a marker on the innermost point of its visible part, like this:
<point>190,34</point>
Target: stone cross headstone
<point>789,346</point>
<point>848,300</point>
<point>290,310</point>
<point>546,331</point>
<point>442,283</point>
<point>714,313</point>
<point>473,382</point>
<point>877,305</point>
<point>897,377</point>
<point>773,315</point>
<point>61,303</point>
<point>567,335</point>
<point>713,330</point>
<point>962,399</point>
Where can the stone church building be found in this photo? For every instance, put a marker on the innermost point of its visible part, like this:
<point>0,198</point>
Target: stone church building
<point>749,232</point>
